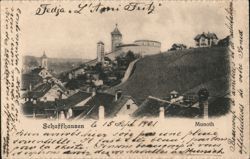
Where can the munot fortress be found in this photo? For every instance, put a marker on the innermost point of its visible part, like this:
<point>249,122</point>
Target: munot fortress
<point>141,47</point>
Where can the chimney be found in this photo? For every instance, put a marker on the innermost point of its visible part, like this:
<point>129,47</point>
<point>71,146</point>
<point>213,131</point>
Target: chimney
<point>69,113</point>
<point>205,115</point>
<point>60,95</point>
<point>88,90</point>
<point>34,101</point>
<point>34,113</point>
<point>30,87</point>
<point>162,113</point>
<point>203,102</point>
<point>61,116</point>
<point>101,112</point>
<point>118,95</point>
<point>93,92</point>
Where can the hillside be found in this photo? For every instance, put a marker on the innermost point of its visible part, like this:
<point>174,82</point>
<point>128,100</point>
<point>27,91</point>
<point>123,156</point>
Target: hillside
<point>184,71</point>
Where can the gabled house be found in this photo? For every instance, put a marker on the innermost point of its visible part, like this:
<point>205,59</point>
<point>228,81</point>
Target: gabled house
<point>125,106</point>
<point>206,39</point>
<point>59,108</point>
<point>37,76</point>
<point>46,92</point>
<point>104,105</point>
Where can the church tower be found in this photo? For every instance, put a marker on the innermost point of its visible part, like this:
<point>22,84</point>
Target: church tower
<point>100,51</point>
<point>116,38</point>
<point>44,61</point>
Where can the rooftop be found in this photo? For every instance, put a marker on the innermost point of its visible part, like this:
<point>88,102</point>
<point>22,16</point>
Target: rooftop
<point>206,35</point>
<point>151,108</point>
<point>116,31</point>
<point>125,45</point>
<point>100,42</point>
<point>146,40</point>
<point>111,107</point>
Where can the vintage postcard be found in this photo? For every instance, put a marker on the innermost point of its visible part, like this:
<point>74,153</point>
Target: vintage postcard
<point>127,79</point>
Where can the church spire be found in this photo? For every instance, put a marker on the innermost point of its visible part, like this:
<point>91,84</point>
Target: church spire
<point>44,55</point>
<point>44,61</point>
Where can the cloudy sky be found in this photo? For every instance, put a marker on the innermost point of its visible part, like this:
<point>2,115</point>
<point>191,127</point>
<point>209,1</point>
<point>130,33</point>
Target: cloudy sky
<point>75,36</point>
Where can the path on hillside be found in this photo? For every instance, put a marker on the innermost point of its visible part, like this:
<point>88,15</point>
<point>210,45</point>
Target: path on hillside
<point>127,74</point>
<point>128,71</point>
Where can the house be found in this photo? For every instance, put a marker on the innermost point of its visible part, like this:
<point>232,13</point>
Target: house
<point>104,105</point>
<point>125,106</point>
<point>31,79</point>
<point>46,92</point>
<point>155,107</point>
<point>37,76</point>
<point>206,39</point>
<point>59,108</point>
<point>174,94</point>
<point>75,72</point>
<point>44,73</point>
<point>39,109</point>
<point>72,106</point>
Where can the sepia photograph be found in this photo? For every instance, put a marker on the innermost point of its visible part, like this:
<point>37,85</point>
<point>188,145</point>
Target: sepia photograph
<point>124,79</point>
<point>167,65</point>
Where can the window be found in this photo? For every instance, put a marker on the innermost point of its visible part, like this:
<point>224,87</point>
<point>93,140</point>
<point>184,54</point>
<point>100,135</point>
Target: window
<point>128,106</point>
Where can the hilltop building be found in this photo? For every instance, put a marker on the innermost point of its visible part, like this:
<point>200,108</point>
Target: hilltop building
<point>206,39</point>
<point>140,47</point>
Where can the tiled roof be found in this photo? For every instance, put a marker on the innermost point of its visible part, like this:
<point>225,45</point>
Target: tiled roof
<point>73,100</point>
<point>117,105</point>
<point>111,107</point>
<point>41,107</point>
<point>38,91</point>
<point>62,104</point>
<point>116,31</point>
<point>150,108</point>
<point>30,79</point>
<point>100,99</point>
<point>41,89</point>
<point>206,35</point>
<point>37,70</point>
<point>174,92</point>
<point>212,35</point>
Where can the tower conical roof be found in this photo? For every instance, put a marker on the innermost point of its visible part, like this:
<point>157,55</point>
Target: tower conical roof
<point>44,55</point>
<point>116,31</point>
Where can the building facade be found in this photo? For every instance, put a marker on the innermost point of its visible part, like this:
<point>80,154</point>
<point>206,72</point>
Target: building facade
<point>140,47</point>
<point>100,51</point>
<point>206,39</point>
